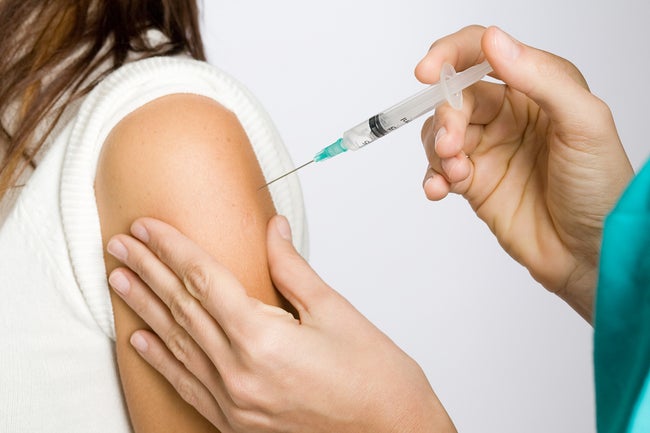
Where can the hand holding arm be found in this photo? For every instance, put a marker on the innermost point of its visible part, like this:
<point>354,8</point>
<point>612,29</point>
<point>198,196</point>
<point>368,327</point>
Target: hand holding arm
<point>186,159</point>
<point>250,367</point>
<point>538,159</point>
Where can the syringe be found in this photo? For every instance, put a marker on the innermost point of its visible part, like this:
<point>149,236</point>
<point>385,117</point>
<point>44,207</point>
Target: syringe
<point>448,89</point>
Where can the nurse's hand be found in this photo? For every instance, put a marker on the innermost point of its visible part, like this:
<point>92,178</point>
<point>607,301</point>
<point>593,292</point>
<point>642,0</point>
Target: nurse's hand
<point>538,159</point>
<point>250,367</point>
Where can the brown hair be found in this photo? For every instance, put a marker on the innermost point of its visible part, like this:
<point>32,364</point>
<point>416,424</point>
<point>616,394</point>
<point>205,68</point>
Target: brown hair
<point>54,51</point>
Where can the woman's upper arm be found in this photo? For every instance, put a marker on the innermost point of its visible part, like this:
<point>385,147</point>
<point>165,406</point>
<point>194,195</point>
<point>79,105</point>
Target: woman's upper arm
<point>186,160</point>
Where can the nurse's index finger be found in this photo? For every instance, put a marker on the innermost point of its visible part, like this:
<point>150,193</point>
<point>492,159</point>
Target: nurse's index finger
<point>214,286</point>
<point>461,49</point>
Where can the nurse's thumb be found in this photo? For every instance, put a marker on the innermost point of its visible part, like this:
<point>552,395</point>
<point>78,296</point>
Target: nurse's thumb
<point>554,83</point>
<point>290,272</point>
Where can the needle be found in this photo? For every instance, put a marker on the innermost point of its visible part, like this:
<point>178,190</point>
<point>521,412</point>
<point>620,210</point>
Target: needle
<point>448,89</point>
<point>287,174</point>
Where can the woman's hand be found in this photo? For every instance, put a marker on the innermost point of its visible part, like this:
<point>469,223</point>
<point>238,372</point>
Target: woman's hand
<point>538,158</point>
<point>250,367</point>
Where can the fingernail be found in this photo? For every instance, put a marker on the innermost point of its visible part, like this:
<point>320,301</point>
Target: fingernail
<point>428,181</point>
<point>139,342</point>
<point>441,133</point>
<point>119,282</point>
<point>506,45</point>
<point>140,232</point>
<point>282,226</point>
<point>117,249</point>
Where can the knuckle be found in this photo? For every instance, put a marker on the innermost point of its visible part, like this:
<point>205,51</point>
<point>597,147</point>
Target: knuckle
<point>240,419</point>
<point>287,266</point>
<point>474,28</point>
<point>265,346</point>
<point>465,32</point>
<point>247,419</point>
<point>137,262</point>
<point>243,390</point>
<point>601,118</point>
<point>602,109</point>
<point>187,389</point>
<point>197,280</point>
<point>141,306</point>
<point>180,305</point>
<point>179,344</point>
<point>570,69</point>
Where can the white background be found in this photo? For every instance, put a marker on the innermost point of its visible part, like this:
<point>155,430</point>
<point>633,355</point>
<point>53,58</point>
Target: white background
<point>502,354</point>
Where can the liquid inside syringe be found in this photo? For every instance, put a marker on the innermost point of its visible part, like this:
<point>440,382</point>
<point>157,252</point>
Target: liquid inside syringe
<point>448,89</point>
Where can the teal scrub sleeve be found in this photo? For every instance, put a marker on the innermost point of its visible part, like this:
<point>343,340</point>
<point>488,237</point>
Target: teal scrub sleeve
<point>622,316</point>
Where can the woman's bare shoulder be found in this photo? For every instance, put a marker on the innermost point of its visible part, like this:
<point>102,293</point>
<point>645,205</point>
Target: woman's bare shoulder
<point>187,160</point>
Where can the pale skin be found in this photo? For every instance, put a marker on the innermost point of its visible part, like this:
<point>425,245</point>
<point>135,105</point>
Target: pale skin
<point>545,166</point>
<point>546,163</point>
<point>185,159</point>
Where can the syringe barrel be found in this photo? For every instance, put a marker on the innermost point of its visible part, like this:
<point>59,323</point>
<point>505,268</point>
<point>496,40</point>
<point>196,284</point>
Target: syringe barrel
<point>412,108</point>
<point>394,117</point>
<point>448,89</point>
<point>358,136</point>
